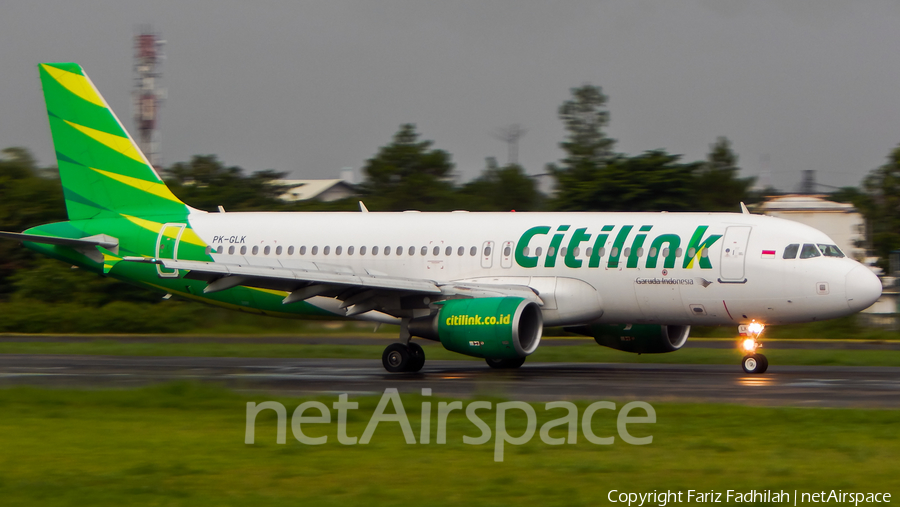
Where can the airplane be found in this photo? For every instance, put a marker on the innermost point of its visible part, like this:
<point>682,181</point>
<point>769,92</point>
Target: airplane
<point>482,284</point>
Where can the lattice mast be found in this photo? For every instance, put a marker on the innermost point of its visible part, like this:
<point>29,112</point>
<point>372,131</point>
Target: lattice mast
<point>148,95</point>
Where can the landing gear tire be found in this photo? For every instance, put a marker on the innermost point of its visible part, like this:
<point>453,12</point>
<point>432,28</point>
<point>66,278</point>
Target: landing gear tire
<point>755,364</point>
<point>505,364</point>
<point>396,358</point>
<point>416,357</point>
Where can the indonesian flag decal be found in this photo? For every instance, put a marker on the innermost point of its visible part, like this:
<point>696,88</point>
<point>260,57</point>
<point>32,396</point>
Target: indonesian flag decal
<point>768,254</point>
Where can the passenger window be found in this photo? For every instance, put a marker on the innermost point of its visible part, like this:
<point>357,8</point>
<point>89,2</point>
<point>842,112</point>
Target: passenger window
<point>461,251</point>
<point>627,252</point>
<point>243,250</point>
<point>551,251</point>
<point>678,252</point>
<point>220,249</point>
<point>691,252</point>
<point>473,251</point>
<point>790,251</point>
<point>350,250</point>
<point>290,250</point>
<point>412,251</point>
<point>448,251</point>
<point>374,250</point>
<point>387,250</point>
<point>652,252</point>
<point>436,251</point>
<point>278,250</point>
<point>562,251</point>
<point>362,250</point>
<point>588,251</point>
<point>302,250</point>
<point>267,250</point>
<point>831,251</point>
<point>314,250</point>
<point>537,251</point>
<point>704,252</point>
<point>231,250</point>
<point>809,251</point>
<point>399,250</point>
<point>326,250</point>
<point>255,250</point>
<point>614,252</point>
<point>424,250</point>
<point>337,250</point>
<point>487,251</point>
<point>208,249</point>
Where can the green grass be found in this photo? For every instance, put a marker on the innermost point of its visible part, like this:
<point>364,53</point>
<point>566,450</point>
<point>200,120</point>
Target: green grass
<point>183,444</point>
<point>589,352</point>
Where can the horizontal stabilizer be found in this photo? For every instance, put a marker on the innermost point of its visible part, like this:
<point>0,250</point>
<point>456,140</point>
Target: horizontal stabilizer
<point>103,240</point>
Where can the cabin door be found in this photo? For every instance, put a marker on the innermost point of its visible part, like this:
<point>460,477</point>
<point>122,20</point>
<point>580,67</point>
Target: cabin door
<point>167,247</point>
<point>734,253</point>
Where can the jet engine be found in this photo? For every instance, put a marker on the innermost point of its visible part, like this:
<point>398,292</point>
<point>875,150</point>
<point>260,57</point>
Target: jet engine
<point>491,328</point>
<point>637,338</point>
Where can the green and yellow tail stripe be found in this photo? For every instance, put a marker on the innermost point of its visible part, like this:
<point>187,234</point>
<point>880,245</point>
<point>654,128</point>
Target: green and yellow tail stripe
<point>103,172</point>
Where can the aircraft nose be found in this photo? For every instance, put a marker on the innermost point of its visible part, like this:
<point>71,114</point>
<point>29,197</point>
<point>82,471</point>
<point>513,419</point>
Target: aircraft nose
<point>863,288</point>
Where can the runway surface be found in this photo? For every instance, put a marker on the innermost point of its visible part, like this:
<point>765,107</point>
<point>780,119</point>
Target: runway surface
<point>806,386</point>
<point>324,339</point>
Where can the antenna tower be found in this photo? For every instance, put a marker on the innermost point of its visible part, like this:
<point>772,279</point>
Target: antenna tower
<point>148,96</point>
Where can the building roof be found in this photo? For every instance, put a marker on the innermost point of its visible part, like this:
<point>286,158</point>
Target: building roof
<point>310,189</point>
<point>804,203</point>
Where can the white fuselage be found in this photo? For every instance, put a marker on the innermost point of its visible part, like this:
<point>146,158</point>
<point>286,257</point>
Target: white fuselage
<point>666,268</point>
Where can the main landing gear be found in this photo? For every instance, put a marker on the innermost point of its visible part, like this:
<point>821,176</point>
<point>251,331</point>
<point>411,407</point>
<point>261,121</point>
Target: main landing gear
<point>399,357</point>
<point>752,363</point>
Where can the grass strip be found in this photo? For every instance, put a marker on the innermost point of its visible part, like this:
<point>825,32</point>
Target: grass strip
<point>183,444</point>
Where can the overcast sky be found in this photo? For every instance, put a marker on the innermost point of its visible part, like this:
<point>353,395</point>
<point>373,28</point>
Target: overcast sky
<point>311,87</point>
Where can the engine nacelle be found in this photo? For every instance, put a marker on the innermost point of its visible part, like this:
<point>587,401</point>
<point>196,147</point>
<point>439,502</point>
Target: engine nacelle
<point>638,338</point>
<point>493,328</point>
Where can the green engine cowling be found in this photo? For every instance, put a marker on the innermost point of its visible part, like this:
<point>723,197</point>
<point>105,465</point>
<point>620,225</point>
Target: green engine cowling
<point>492,328</point>
<point>637,338</point>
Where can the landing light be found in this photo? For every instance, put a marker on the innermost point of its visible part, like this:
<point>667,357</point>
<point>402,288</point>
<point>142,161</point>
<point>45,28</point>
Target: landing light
<point>749,344</point>
<point>755,328</point>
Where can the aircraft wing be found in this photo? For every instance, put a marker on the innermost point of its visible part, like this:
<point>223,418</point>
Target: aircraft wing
<point>359,292</point>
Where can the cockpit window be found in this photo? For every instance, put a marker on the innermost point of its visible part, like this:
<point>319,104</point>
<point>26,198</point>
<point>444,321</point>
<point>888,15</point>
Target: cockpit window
<point>790,251</point>
<point>809,251</point>
<point>831,251</point>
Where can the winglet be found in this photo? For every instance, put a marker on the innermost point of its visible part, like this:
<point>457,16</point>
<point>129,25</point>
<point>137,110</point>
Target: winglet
<point>363,208</point>
<point>744,209</point>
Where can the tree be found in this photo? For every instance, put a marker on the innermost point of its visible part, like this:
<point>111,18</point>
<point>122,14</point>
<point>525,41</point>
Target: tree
<point>406,174</point>
<point>652,181</point>
<point>28,198</point>
<point>501,189</point>
<point>585,118</point>
<point>587,148</point>
<point>883,188</point>
<point>718,186</point>
<point>206,183</point>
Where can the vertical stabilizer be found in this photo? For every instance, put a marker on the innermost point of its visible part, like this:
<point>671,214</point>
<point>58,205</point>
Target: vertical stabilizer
<point>103,172</point>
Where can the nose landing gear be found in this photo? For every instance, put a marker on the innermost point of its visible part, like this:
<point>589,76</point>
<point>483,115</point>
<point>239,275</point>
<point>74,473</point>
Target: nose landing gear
<point>752,363</point>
